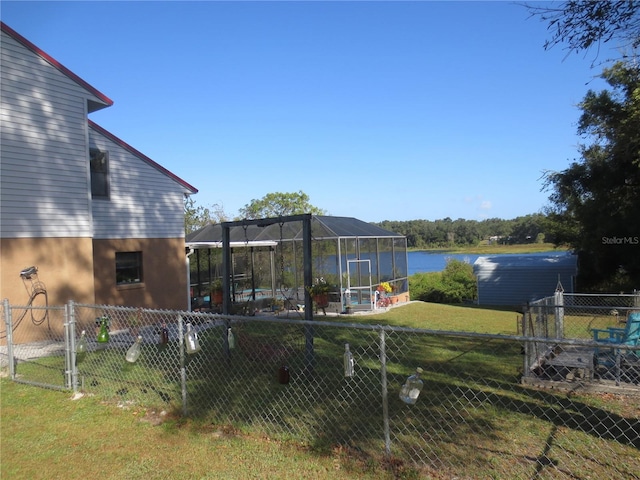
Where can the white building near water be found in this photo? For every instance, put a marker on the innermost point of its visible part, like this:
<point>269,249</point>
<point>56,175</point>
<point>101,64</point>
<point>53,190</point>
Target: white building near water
<point>518,279</point>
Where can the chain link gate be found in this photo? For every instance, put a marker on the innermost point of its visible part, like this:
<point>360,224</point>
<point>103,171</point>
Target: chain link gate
<point>474,418</point>
<point>43,356</point>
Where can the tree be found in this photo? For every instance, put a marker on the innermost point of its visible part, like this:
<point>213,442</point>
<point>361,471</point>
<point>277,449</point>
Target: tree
<point>583,24</point>
<point>198,216</point>
<point>279,204</point>
<point>527,229</point>
<point>595,203</point>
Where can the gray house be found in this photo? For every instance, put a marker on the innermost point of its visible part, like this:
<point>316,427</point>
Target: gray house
<point>518,279</point>
<point>101,221</point>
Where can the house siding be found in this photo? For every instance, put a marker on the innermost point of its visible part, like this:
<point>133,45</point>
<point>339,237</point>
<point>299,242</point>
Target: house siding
<point>143,202</point>
<point>48,218</point>
<point>44,168</point>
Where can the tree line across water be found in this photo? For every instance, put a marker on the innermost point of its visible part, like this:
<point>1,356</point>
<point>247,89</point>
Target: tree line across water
<point>426,234</point>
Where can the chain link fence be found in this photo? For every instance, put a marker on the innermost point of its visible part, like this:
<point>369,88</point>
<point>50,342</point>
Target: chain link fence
<point>575,316</point>
<point>474,418</point>
<point>600,340</point>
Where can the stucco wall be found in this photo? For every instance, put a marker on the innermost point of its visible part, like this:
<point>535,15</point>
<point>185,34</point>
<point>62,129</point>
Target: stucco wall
<point>65,267</point>
<point>164,268</point>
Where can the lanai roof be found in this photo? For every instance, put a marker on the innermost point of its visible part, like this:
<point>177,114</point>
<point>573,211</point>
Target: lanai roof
<point>322,227</point>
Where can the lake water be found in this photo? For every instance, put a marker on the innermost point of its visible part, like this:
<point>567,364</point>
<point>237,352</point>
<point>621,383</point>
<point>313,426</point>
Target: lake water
<point>421,262</point>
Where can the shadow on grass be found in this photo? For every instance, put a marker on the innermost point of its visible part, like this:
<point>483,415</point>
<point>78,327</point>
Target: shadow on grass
<point>472,396</point>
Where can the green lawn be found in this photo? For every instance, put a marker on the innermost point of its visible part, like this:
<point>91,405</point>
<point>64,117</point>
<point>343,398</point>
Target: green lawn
<point>484,249</point>
<point>46,435</point>
<point>436,316</point>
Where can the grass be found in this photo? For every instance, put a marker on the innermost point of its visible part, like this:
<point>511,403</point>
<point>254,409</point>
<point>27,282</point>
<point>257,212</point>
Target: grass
<point>46,435</point>
<point>437,316</point>
<point>474,419</point>
<point>484,249</point>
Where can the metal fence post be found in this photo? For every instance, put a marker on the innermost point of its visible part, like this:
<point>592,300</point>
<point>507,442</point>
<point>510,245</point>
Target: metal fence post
<point>70,345</point>
<point>68,374</point>
<point>526,320</point>
<point>183,368</point>
<point>9,326</point>
<point>385,392</point>
<point>559,311</point>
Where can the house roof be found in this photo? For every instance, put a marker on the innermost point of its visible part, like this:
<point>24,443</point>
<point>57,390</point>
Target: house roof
<point>322,227</point>
<point>100,101</point>
<point>142,156</point>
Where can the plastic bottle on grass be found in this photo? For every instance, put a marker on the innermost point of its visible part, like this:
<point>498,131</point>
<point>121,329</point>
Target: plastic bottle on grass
<point>164,334</point>
<point>348,362</point>
<point>283,375</point>
<point>81,347</point>
<point>103,334</point>
<point>231,339</point>
<point>411,389</point>
<point>134,350</point>
<point>191,340</point>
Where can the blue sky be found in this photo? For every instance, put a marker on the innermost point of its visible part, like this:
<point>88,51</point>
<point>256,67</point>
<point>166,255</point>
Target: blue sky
<point>376,110</point>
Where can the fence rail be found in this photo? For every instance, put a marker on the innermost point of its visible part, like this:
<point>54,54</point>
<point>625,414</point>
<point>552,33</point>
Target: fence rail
<point>476,416</point>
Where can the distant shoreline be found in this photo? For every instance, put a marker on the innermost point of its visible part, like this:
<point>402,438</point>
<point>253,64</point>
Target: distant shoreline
<point>496,249</point>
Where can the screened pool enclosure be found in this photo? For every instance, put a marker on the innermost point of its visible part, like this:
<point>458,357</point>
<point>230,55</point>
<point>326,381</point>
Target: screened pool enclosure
<point>282,263</point>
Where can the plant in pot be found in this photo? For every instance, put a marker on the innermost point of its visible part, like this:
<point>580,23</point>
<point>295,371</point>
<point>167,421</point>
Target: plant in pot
<point>319,291</point>
<point>216,291</point>
<point>384,294</point>
<point>277,304</point>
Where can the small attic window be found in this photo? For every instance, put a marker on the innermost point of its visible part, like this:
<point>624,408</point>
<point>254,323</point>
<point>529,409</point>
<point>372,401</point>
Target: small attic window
<point>99,162</point>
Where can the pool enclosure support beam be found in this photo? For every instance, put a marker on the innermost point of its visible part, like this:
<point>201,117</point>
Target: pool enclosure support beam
<point>308,273</point>
<point>226,270</point>
<point>305,218</point>
<point>308,301</point>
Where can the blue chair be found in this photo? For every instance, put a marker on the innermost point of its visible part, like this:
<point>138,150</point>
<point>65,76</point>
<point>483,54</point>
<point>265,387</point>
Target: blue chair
<point>616,337</point>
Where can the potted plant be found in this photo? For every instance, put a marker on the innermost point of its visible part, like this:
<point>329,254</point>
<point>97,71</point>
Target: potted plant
<point>319,291</point>
<point>385,297</point>
<point>216,291</point>
<point>277,304</point>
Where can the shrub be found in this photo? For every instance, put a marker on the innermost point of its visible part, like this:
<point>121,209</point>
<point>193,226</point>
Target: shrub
<point>454,284</point>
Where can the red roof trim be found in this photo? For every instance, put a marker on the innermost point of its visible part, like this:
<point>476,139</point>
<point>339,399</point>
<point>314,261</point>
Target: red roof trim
<point>16,36</point>
<point>140,155</point>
